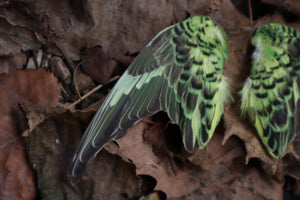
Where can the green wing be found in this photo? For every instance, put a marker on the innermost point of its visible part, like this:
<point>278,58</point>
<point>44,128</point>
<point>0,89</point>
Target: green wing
<point>180,72</point>
<point>270,96</point>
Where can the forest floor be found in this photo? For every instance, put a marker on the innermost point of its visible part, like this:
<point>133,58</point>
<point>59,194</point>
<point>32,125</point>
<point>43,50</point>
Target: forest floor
<point>58,61</point>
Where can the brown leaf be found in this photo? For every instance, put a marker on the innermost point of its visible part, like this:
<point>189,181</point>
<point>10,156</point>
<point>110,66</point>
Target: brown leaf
<point>36,87</point>
<point>123,28</point>
<point>51,145</point>
<point>225,14</point>
<point>82,23</point>
<point>236,69</point>
<point>296,144</point>
<point>97,65</point>
<point>15,39</point>
<point>36,115</point>
<point>113,177</point>
<point>227,177</point>
<point>157,195</point>
<point>12,63</point>
<point>290,5</point>
<point>292,165</point>
<point>84,82</point>
<point>60,70</point>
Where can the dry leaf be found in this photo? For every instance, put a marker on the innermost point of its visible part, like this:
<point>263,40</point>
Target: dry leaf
<point>122,28</point>
<point>35,87</point>
<point>227,178</point>
<point>15,39</point>
<point>290,5</point>
<point>51,145</point>
<point>97,65</point>
<point>12,63</point>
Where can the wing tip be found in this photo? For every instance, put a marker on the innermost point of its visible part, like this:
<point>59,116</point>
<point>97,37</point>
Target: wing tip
<point>189,145</point>
<point>75,169</point>
<point>80,159</point>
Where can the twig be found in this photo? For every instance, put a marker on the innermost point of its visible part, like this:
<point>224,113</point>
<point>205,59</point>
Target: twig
<point>90,92</point>
<point>250,12</point>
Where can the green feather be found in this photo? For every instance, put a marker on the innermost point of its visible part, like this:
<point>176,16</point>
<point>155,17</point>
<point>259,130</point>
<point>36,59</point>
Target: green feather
<point>179,72</point>
<point>270,96</point>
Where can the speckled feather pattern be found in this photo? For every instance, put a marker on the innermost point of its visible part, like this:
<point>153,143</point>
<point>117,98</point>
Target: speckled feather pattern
<point>179,72</point>
<point>270,96</point>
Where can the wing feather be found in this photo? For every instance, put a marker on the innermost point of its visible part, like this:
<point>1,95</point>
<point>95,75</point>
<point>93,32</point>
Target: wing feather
<point>270,95</point>
<point>169,74</point>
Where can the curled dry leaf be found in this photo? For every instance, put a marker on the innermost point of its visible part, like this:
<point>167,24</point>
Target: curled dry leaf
<point>227,177</point>
<point>35,87</point>
<point>242,129</point>
<point>36,115</point>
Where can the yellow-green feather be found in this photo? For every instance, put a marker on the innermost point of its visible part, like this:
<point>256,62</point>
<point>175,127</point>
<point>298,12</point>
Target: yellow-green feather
<point>179,72</point>
<point>270,96</point>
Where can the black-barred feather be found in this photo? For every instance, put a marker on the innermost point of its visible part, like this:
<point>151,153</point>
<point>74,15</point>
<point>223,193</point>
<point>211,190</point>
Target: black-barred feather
<point>176,72</point>
<point>271,94</point>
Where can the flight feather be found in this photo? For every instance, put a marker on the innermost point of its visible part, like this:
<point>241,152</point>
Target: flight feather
<point>180,72</point>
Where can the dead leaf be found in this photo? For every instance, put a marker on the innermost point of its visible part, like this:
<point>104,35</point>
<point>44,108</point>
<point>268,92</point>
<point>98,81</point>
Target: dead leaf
<point>84,82</point>
<point>33,86</point>
<point>91,23</point>
<point>291,164</point>
<point>51,145</point>
<point>12,63</point>
<point>228,177</point>
<point>97,65</point>
<point>236,69</point>
<point>15,39</point>
<point>122,28</point>
<point>296,144</point>
<point>225,14</point>
<point>36,115</point>
<point>290,5</point>
<point>60,70</point>
<point>157,195</point>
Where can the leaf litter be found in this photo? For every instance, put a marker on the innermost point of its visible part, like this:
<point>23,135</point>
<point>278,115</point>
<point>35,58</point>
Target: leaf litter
<point>234,164</point>
<point>36,87</point>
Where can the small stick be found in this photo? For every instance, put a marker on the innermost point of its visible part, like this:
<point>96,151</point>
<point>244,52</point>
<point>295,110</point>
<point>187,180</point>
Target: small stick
<point>250,12</point>
<point>90,92</point>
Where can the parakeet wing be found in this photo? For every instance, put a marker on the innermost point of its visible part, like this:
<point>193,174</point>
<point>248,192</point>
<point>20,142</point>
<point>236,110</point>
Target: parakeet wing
<point>180,72</point>
<point>270,96</point>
